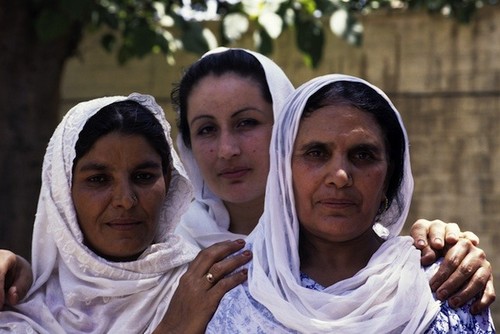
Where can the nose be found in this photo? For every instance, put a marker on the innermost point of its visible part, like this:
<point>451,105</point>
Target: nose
<point>228,145</point>
<point>124,195</point>
<point>338,173</point>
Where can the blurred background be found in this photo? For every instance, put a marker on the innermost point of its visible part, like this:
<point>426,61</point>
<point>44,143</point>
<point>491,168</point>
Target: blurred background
<point>438,60</point>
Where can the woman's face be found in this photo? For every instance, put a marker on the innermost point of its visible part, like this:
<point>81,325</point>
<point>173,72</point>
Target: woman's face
<point>230,128</point>
<point>339,168</point>
<point>118,191</point>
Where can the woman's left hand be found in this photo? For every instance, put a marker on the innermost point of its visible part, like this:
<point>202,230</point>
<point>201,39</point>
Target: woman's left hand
<point>15,278</point>
<point>464,273</point>
<point>209,276</point>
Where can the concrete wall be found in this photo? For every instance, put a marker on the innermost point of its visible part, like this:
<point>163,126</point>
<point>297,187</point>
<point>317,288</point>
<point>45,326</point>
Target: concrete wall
<point>443,77</point>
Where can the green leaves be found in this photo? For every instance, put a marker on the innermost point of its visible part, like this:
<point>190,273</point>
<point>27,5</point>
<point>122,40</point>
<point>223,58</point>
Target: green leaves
<point>310,39</point>
<point>134,28</point>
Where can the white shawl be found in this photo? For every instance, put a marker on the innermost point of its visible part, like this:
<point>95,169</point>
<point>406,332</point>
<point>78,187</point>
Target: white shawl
<point>389,294</point>
<point>207,220</point>
<point>76,291</point>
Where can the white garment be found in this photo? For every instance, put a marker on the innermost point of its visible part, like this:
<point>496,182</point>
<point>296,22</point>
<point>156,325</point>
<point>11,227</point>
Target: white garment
<point>389,294</point>
<point>76,291</point>
<point>207,220</point>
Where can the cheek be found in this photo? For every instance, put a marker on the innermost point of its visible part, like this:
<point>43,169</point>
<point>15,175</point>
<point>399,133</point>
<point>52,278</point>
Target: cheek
<point>204,154</point>
<point>88,208</point>
<point>154,199</point>
<point>375,185</point>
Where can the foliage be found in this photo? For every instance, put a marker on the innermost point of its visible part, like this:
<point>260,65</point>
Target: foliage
<point>135,28</point>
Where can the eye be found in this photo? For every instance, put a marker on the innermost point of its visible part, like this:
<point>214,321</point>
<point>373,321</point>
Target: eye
<point>206,130</point>
<point>363,155</point>
<point>317,152</point>
<point>97,180</point>
<point>366,154</point>
<point>145,177</point>
<point>247,123</point>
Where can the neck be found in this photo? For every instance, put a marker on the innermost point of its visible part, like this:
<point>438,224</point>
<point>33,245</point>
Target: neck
<point>329,262</point>
<point>244,216</point>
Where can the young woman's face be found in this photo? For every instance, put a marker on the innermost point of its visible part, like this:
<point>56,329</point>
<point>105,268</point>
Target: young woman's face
<point>230,128</point>
<point>339,168</point>
<point>118,191</point>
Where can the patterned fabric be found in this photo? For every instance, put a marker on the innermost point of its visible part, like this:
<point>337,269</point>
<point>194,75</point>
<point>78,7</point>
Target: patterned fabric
<point>238,320</point>
<point>76,291</point>
<point>207,220</point>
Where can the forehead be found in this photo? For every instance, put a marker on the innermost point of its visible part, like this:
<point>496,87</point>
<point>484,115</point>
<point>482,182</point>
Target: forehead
<point>230,91</point>
<point>335,121</point>
<point>117,147</point>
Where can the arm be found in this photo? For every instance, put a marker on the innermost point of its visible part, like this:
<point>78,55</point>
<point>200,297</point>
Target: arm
<point>15,278</point>
<point>197,297</point>
<point>464,273</point>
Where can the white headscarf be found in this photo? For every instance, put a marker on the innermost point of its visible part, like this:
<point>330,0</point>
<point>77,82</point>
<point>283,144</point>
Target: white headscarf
<point>389,294</point>
<point>207,220</point>
<point>76,291</point>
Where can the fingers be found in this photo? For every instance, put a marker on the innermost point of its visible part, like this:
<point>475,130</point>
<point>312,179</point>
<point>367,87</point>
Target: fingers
<point>463,274</point>
<point>472,289</point>
<point>434,233</point>
<point>440,231</point>
<point>452,233</point>
<point>453,259</point>
<point>210,275</point>
<point>486,299</point>
<point>471,236</point>
<point>220,269</point>
<point>418,232</point>
<point>217,252</point>
<point>23,279</point>
<point>428,256</point>
<point>7,263</point>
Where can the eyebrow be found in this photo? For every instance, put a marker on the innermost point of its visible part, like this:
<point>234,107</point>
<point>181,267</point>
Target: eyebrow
<point>96,166</point>
<point>232,116</point>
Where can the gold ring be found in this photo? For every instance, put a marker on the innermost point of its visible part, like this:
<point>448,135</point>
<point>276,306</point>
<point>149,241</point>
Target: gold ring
<point>210,278</point>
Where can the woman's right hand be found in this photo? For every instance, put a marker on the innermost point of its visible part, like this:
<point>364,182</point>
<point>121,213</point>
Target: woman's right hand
<point>15,278</point>
<point>209,276</point>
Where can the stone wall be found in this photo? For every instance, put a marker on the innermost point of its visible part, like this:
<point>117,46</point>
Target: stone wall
<point>443,77</point>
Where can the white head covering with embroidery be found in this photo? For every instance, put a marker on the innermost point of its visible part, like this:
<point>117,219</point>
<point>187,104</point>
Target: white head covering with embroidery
<point>77,291</point>
<point>390,295</point>
<point>207,220</point>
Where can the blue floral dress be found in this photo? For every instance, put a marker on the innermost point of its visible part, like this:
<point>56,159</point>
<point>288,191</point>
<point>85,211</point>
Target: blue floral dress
<point>238,318</point>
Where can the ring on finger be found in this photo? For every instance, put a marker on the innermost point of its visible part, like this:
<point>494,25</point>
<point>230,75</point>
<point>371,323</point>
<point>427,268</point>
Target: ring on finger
<point>210,278</point>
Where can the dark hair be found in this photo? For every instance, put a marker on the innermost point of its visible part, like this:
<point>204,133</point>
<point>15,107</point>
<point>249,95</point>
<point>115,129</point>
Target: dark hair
<point>236,61</point>
<point>365,98</point>
<point>127,117</point>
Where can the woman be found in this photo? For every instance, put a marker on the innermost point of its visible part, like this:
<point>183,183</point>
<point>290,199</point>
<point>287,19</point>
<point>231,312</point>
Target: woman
<point>105,258</point>
<point>226,104</point>
<point>327,256</point>
<point>234,94</point>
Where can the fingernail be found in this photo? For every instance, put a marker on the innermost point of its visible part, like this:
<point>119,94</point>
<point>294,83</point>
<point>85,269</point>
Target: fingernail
<point>452,235</point>
<point>239,241</point>
<point>438,240</point>
<point>244,272</point>
<point>421,242</point>
<point>247,253</point>
<point>454,302</point>
<point>442,294</point>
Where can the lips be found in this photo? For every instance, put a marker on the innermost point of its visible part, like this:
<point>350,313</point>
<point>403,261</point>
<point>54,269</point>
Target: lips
<point>233,173</point>
<point>123,224</point>
<point>336,203</point>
